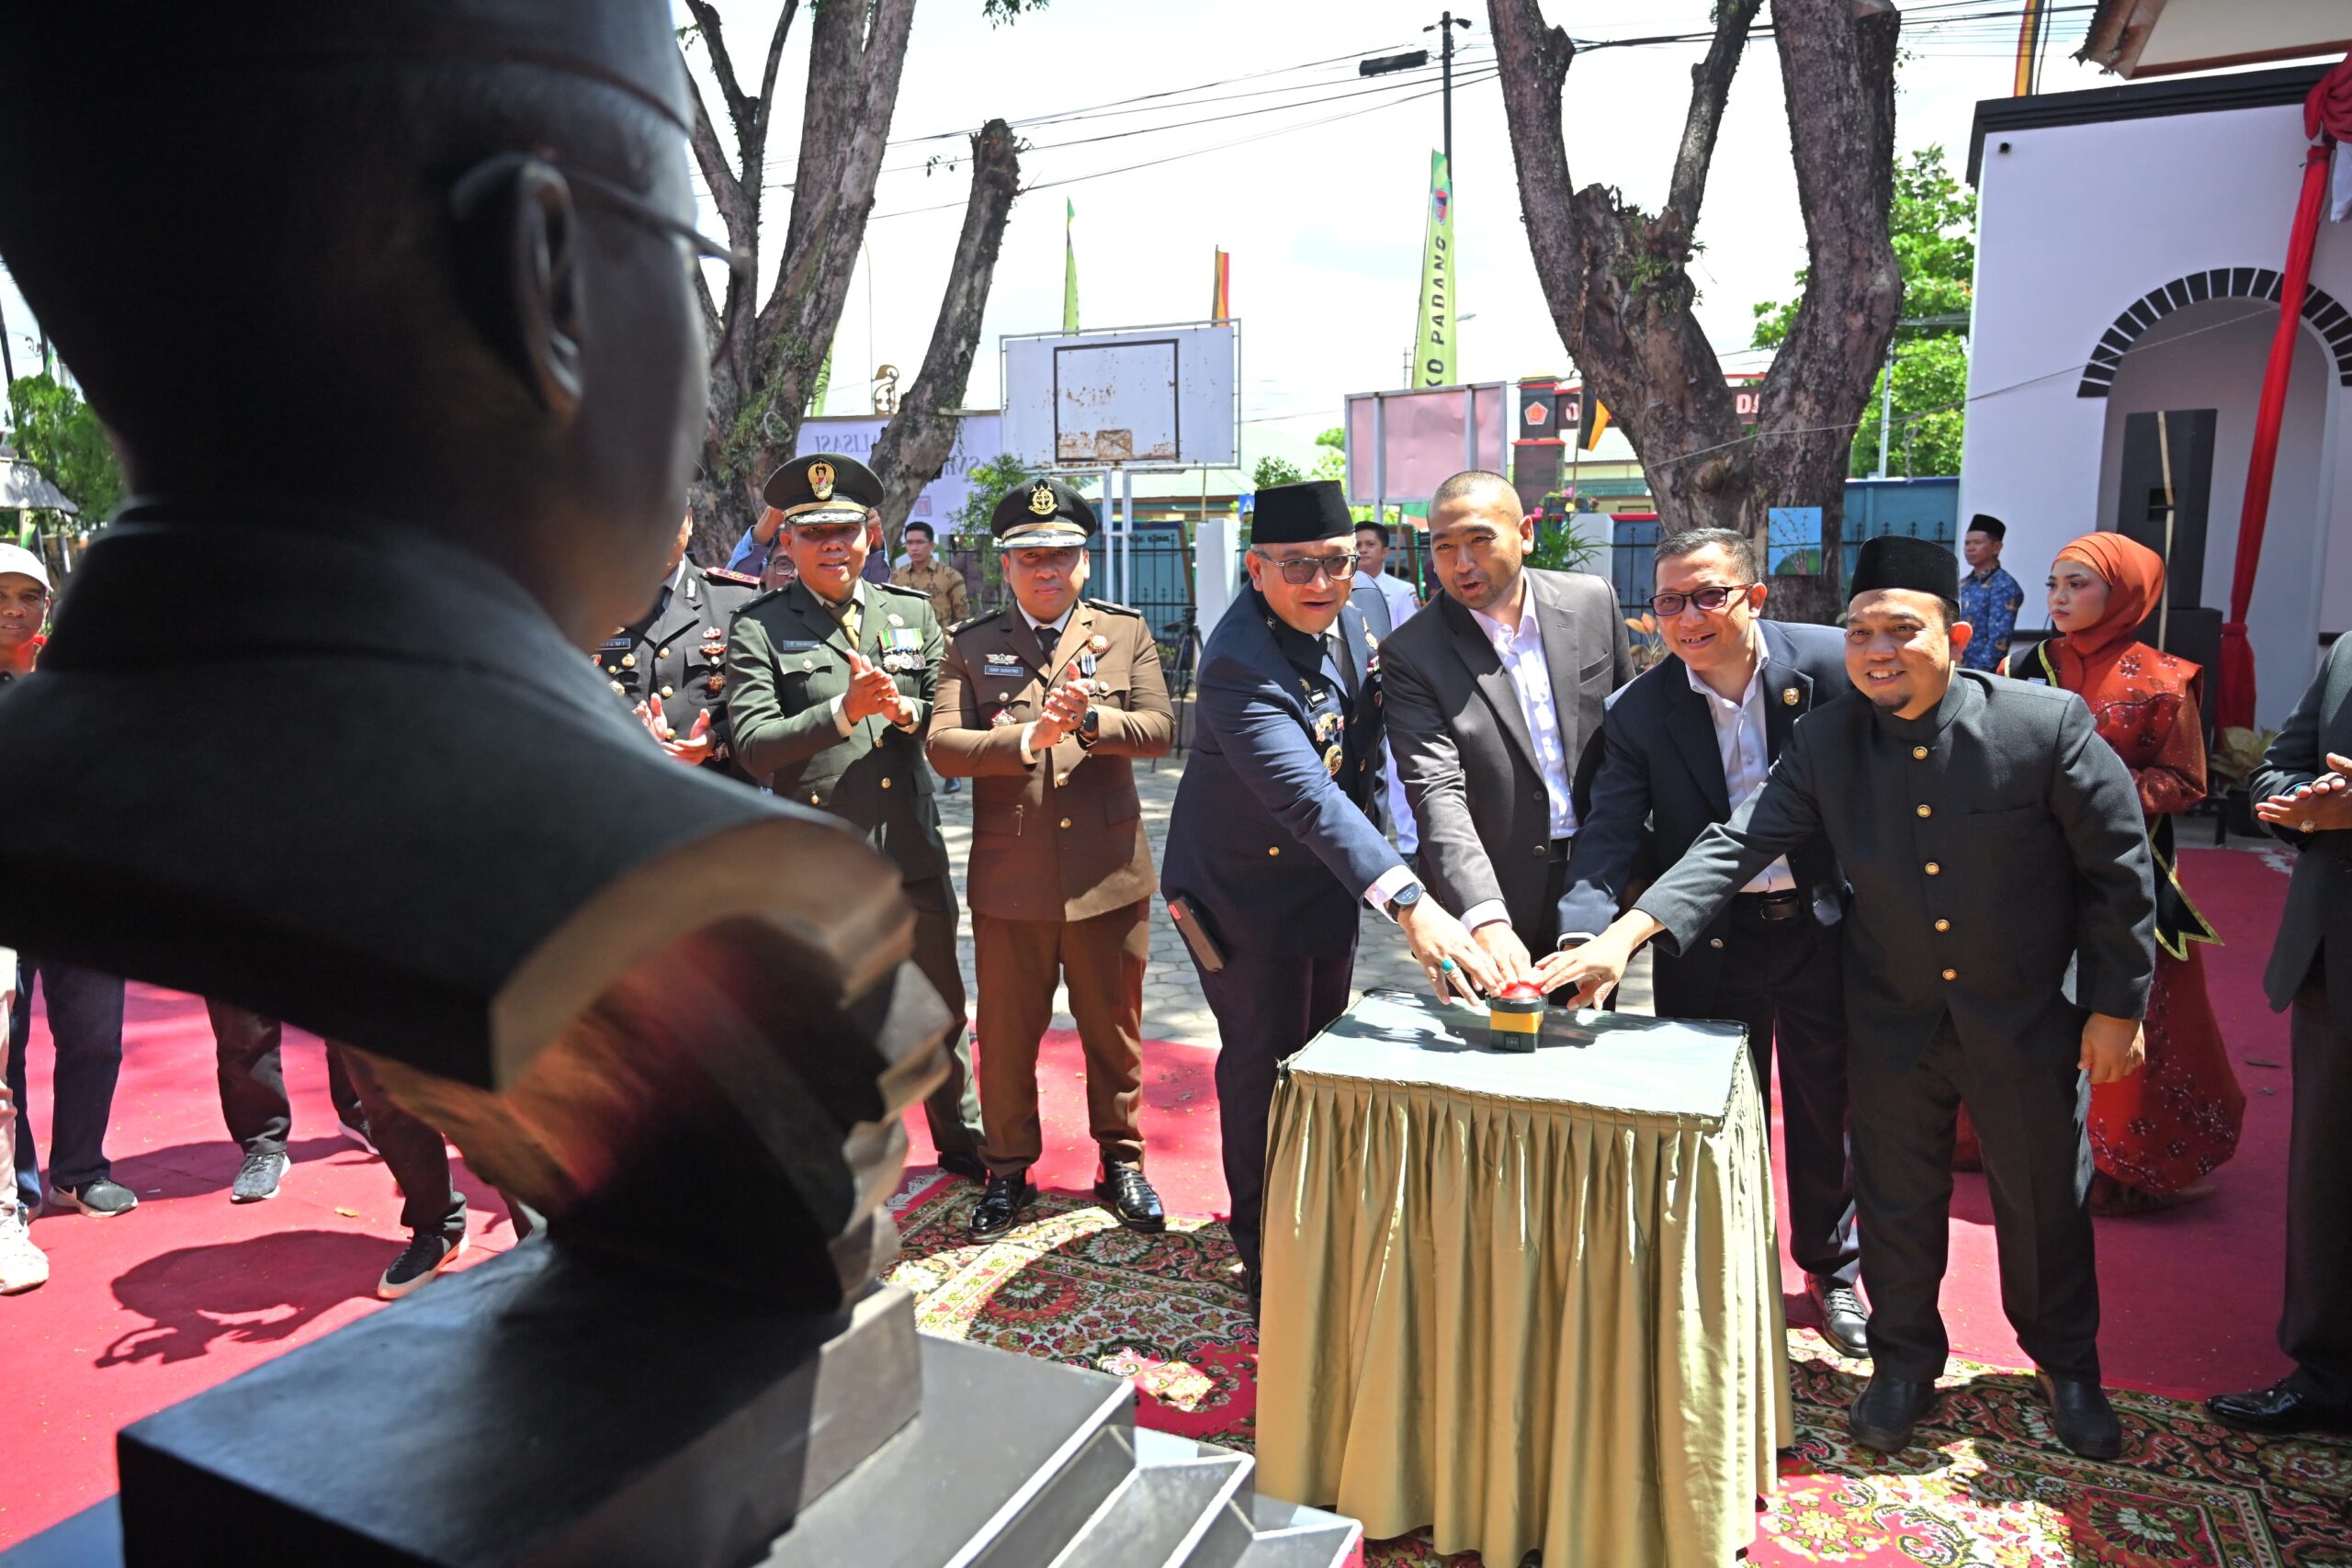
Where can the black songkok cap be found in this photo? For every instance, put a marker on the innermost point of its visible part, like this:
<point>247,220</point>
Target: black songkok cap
<point>1985,523</point>
<point>1044,515</point>
<point>822,488</point>
<point>1300,514</point>
<point>1894,561</point>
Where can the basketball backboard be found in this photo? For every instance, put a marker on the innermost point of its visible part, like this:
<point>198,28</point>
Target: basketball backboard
<point>1160,396</point>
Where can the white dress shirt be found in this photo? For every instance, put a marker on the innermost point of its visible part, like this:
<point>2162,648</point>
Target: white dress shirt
<point>1740,742</point>
<point>1029,730</point>
<point>1521,648</point>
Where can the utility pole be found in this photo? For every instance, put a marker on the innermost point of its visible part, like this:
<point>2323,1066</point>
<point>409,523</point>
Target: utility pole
<point>1443,27</point>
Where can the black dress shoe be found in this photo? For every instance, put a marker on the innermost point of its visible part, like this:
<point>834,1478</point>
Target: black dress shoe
<point>1883,1414</point>
<point>1837,1312</point>
<point>971,1167</point>
<point>1001,1202</point>
<point>1122,1190</point>
<point>2279,1409</point>
<point>2081,1416</point>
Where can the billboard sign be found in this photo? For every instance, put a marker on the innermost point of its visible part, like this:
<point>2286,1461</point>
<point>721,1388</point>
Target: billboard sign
<point>1402,446</point>
<point>1161,396</point>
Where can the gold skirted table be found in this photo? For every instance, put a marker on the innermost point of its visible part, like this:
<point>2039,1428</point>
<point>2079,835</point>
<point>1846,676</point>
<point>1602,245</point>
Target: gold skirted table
<point>1527,1300</point>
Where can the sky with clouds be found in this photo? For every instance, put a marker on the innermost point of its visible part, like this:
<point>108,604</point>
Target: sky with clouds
<point>1313,178</point>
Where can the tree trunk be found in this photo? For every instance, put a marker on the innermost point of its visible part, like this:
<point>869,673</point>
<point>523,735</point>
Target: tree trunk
<point>1615,277</point>
<point>917,443</point>
<point>765,359</point>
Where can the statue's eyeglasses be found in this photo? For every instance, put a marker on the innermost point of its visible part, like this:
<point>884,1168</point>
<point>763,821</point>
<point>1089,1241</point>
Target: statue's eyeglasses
<point>595,190</point>
<point>1300,571</point>
<point>1707,599</point>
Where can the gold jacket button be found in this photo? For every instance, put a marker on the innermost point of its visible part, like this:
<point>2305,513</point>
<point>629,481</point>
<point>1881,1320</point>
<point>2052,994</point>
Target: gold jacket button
<point>1919,753</point>
<point>629,660</point>
<point>1061,780</point>
<point>665,690</point>
<point>1541,851</point>
<point>1943,925</point>
<point>1715,942</point>
<point>1932,869</point>
<point>1064,821</point>
<point>1926,810</point>
<point>812,800</point>
<point>1952,974</point>
<point>1273,849</point>
<point>663,654</point>
<point>621,689</point>
<point>885,784</point>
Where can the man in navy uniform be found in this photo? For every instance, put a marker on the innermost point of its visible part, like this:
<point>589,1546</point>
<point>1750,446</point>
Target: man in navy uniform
<point>670,664</point>
<point>1997,952</point>
<point>1272,850</point>
<point>830,683</point>
<point>1681,745</point>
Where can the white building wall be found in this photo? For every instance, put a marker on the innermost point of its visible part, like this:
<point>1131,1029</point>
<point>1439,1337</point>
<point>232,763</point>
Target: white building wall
<point>2077,221</point>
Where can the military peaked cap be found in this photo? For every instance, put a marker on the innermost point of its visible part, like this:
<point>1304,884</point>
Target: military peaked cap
<point>823,488</point>
<point>1044,515</point>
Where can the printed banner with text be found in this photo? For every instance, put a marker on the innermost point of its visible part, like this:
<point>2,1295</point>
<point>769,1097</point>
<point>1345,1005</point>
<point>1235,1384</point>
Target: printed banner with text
<point>1433,363</point>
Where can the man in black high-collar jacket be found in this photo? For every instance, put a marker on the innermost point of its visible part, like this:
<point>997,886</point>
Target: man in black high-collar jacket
<point>1681,745</point>
<point>1998,951</point>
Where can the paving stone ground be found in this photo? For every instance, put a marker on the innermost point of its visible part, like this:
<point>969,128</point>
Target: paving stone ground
<point>1173,1008</point>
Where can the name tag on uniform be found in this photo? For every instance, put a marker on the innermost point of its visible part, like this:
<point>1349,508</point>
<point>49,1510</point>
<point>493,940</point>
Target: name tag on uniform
<point>616,645</point>
<point>1006,664</point>
<point>796,645</point>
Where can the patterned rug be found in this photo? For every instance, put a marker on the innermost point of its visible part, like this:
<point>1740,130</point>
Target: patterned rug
<point>1987,1486</point>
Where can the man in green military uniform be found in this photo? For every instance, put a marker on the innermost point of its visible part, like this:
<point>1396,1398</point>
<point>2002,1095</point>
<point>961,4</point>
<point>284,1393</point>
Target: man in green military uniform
<point>670,664</point>
<point>828,685</point>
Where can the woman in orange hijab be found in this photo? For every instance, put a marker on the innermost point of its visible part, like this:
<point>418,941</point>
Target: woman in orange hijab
<point>2155,1135</point>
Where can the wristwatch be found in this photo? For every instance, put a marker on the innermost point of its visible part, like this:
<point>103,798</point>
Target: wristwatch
<point>1090,730</point>
<point>1404,899</point>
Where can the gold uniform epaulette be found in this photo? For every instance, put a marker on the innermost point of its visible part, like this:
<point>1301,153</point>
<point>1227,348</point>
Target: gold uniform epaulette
<point>961,627</point>
<point>720,574</point>
<point>1114,607</point>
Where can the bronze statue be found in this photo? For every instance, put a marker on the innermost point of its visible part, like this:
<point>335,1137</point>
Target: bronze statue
<point>389,309</point>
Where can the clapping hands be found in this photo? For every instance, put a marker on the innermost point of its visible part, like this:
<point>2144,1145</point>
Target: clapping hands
<point>1064,710</point>
<point>871,692</point>
<point>2323,806</point>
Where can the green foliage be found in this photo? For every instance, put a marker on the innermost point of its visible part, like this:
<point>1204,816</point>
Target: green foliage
<point>54,430</point>
<point>1272,471</point>
<point>1332,459</point>
<point>1933,225</point>
<point>1001,13</point>
<point>1563,546</point>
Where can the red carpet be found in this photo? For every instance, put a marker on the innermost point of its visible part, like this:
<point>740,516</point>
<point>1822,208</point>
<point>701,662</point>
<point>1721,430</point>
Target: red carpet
<point>188,1290</point>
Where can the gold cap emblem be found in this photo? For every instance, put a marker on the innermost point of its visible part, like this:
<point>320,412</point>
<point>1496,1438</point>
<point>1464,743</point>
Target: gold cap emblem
<point>820,479</point>
<point>1789,695</point>
<point>1041,500</point>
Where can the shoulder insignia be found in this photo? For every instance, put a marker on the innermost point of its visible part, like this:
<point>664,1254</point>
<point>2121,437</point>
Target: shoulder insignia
<point>757,600</point>
<point>1113,607</point>
<point>972,622</point>
<point>902,590</point>
<point>720,574</point>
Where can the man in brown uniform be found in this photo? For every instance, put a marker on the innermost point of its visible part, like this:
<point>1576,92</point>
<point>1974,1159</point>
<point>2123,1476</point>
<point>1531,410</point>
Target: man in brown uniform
<point>1045,704</point>
<point>926,573</point>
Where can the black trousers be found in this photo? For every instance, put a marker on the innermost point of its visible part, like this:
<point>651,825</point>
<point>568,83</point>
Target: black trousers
<point>2038,1167</point>
<point>2316,1326</point>
<point>1782,980</point>
<point>953,1109</point>
<point>412,1152</point>
<point>253,1080</point>
<point>85,1029</point>
<point>1268,1006</point>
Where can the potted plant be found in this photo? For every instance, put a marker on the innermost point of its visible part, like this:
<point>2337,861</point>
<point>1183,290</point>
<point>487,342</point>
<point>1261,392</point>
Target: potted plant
<point>2237,752</point>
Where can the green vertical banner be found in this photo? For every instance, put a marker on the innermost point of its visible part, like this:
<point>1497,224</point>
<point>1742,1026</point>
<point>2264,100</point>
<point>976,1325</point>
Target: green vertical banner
<point>1433,364</point>
<point>1069,267</point>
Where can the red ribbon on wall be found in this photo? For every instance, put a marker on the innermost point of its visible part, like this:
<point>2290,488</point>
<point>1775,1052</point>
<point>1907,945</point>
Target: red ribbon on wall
<point>2327,119</point>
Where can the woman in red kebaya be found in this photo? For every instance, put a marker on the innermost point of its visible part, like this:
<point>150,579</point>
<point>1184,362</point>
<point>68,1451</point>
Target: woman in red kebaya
<point>2157,1134</point>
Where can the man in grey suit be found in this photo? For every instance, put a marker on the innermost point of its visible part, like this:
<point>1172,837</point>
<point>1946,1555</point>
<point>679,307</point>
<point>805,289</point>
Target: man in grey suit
<point>1998,950</point>
<point>2305,788</point>
<point>1682,745</point>
<point>1493,697</point>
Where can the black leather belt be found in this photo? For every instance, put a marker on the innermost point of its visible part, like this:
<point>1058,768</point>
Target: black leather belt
<point>1786,904</point>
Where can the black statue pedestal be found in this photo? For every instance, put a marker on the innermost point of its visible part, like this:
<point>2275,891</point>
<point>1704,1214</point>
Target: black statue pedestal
<point>551,1410</point>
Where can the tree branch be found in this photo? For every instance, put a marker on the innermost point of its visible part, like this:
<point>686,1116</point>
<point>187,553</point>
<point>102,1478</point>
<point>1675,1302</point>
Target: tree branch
<point>775,55</point>
<point>722,66</point>
<point>1710,86</point>
<point>918,441</point>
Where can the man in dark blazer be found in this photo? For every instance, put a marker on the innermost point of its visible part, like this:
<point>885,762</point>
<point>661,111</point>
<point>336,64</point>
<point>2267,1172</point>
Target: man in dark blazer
<point>1684,743</point>
<point>829,686</point>
<point>1494,696</point>
<point>2304,787</point>
<point>1998,950</point>
<point>1272,854</point>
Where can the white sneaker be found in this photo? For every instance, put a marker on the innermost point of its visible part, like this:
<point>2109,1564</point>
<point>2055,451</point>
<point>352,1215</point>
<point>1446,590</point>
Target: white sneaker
<point>23,1265</point>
